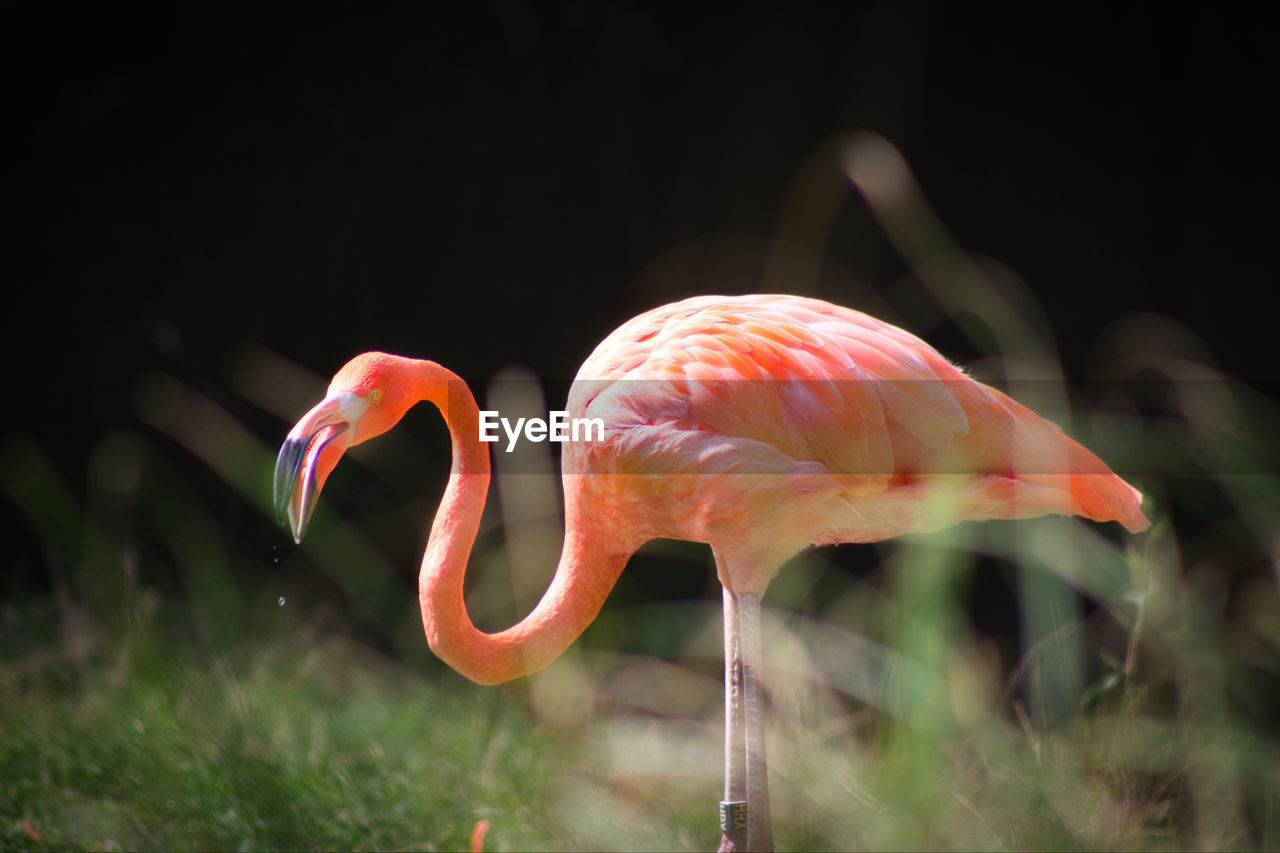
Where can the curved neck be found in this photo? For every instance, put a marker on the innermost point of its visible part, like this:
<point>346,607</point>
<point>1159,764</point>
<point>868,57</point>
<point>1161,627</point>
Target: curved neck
<point>587,571</point>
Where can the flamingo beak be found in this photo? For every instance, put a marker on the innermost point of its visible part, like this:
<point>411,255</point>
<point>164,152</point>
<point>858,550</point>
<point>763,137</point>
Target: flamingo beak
<point>309,454</point>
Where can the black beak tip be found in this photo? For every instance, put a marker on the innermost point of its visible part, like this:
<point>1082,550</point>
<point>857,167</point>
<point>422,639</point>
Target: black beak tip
<point>287,465</point>
<point>293,455</point>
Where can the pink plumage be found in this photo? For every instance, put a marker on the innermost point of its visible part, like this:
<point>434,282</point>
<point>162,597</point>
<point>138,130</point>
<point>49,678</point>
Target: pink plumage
<point>758,424</point>
<point>766,423</point>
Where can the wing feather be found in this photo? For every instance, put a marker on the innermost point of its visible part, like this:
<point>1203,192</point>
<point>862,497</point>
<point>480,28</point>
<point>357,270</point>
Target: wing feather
<point>759,384</point>
<point>818,382</point>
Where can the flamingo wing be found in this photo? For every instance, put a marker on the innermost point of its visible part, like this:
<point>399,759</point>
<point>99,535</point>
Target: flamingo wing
<point>815,381</point>
<point>790,382</point>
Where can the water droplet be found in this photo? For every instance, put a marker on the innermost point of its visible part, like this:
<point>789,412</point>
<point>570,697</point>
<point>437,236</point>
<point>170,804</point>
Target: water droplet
<point>281,601</point>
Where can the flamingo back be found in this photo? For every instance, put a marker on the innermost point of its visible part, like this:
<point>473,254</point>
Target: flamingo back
<point>851,418</point>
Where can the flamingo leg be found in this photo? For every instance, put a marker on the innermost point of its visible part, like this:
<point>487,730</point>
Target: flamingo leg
<point>745,822</point>
<point>759,825</point>
<point>733,808</point>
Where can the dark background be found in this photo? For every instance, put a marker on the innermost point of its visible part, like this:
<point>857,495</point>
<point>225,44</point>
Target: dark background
<point>506,182</point>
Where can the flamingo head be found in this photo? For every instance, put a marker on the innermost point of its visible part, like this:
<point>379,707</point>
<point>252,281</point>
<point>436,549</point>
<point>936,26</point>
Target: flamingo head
<point>367,397</point>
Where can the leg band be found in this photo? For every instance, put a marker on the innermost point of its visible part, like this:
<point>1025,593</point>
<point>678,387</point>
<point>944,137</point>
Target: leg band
<point>733,816</point>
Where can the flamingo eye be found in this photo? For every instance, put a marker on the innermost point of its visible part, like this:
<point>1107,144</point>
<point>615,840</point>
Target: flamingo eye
<point>375,395</point>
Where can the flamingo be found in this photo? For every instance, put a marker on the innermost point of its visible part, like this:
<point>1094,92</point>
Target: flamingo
<point>759,424</point>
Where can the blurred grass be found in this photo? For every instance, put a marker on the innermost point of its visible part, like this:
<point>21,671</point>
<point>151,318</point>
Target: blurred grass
<point>186,683</point>
<point>301,742</point>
